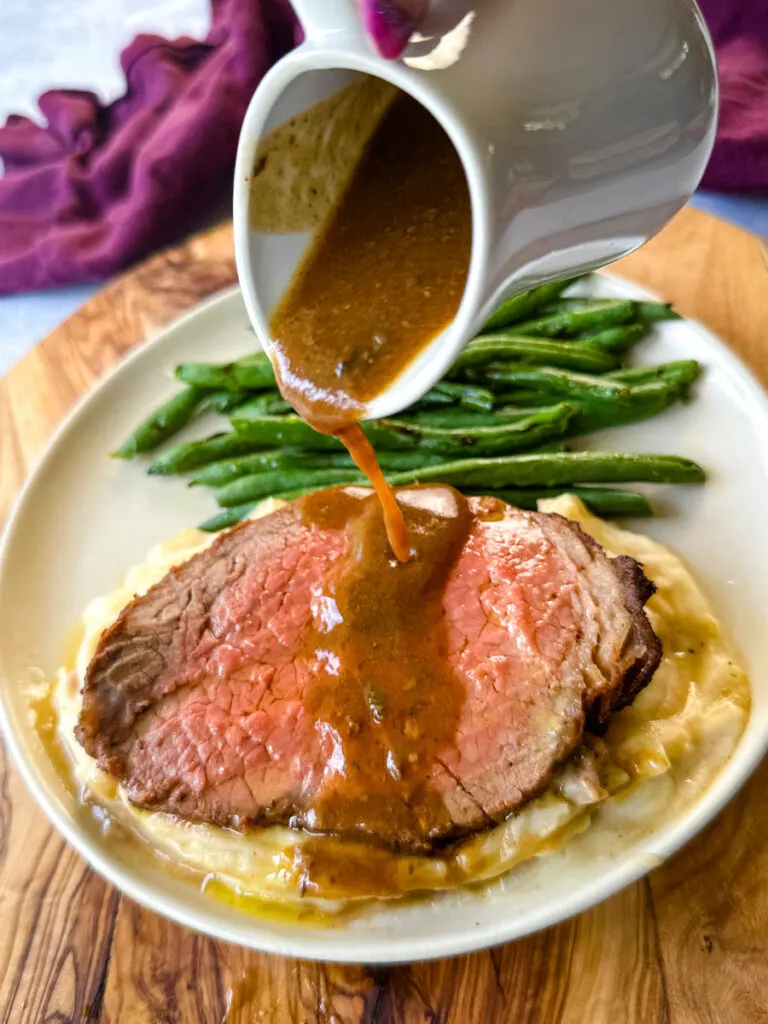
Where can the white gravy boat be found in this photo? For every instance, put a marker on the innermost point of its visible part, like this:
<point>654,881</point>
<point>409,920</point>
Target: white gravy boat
<point>583,127</point>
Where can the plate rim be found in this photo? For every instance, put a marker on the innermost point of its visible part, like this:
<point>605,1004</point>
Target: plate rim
<point>318,944</point>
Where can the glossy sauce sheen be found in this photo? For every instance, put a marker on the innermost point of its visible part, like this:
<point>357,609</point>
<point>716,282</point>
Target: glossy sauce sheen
<point>384,278</point>
<point>361,450</point>
<point>386,700</point>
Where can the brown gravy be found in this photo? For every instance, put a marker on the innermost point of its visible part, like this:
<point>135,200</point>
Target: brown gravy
<point>387,697</point>
<point>384,277</point>
<point>361,450</point>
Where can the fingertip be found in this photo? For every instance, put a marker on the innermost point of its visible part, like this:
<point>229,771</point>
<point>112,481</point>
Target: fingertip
<point>390,24</point>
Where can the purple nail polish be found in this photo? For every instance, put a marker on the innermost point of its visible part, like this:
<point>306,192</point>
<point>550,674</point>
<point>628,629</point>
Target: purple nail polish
<point>390,23</point>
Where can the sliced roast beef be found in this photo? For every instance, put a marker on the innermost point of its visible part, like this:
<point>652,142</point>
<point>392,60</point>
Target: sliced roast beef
<point>213,695</point>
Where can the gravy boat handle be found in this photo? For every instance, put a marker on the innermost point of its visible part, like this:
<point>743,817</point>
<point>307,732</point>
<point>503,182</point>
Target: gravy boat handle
<point>329,21</point>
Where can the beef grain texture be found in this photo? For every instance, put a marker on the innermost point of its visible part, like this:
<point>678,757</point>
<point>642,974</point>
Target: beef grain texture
<point>196,697</point>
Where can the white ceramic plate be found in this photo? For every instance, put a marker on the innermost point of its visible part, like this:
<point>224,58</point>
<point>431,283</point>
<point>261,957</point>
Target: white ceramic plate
<point>83,519</point>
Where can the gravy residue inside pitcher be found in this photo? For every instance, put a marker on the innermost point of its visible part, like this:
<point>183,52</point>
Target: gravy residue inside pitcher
<point>384,276</point>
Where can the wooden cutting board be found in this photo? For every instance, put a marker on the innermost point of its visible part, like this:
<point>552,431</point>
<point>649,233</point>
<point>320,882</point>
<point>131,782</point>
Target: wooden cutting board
<point>686,945</point>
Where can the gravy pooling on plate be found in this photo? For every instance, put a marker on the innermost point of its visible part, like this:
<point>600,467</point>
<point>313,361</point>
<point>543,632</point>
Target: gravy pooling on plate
<point>383,278</point>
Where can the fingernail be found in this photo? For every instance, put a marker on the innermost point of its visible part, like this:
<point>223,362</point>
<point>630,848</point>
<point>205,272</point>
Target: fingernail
<point>390,23</point>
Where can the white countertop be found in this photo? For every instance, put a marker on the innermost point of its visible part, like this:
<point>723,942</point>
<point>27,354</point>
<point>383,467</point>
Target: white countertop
<point>76,43</point>
<point>47,44</point>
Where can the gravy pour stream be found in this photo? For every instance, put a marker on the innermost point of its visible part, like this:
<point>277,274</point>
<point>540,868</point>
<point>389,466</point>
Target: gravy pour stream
<point>384,277</point>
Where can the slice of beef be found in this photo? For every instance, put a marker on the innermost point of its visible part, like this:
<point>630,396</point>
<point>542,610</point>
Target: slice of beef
<point>197,696</point>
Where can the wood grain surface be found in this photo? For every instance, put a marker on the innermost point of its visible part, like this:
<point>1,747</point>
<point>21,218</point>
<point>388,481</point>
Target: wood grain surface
<point>687,945</point>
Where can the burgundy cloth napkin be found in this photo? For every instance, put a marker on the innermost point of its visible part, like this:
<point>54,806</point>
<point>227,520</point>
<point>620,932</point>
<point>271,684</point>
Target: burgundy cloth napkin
<point>740,32</point>
<point>102,186</point>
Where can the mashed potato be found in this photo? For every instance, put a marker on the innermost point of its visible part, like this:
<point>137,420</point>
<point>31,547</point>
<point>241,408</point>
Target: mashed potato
<point>657,757</point>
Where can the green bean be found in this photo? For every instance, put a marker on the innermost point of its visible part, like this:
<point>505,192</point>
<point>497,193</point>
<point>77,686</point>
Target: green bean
<point>432,400</point>
<point>542,469</point>
<point>525,399</point>
<point>468,396</point>
<point>503,347</point>
<point>602,501</point>
<point>279,431</point>
<point>571,303</point>
<point>183,458</point>
<point>645,312</point>
<point>645,400</point>
<point>162,424</point>
<point>262,485</point>
<point>592,414</point>
<point>227,517</point>
<point>455,418</point>
<point>399,435</point>
<point>681,372</point>
<point>529,399</point>
<point>527,304</point>
<point>408,459</point>
<point>568,323</point>
<point>557,469</point>
<point>652,312</point>
<point>615,339</point>
<point>268,404</point>
<point>216,474</point>
<point>225,401</point>
<point>502,438</point>
<point>254,372</point>
<point>563,383</point>
<point>219,473</point>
